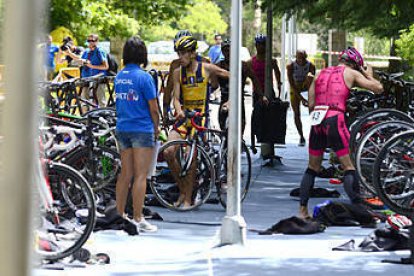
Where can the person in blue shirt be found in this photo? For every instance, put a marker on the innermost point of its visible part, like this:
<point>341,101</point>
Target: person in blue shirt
<point>136,129</point>
<point>214,53</point>
<point>94,63</point>
<point>51,51</point>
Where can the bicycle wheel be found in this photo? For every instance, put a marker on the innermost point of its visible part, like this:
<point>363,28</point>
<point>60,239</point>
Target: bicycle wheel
<point>394,173</point>
<point>370,119</point>
<point>245,175</point>
<point>109,140</point>
<point>370,145</point>
<point>63,229</point>
<point>164,182</point>
<point>100,170</point>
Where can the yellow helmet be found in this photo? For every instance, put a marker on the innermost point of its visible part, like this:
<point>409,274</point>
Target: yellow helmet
<point>186,43</point>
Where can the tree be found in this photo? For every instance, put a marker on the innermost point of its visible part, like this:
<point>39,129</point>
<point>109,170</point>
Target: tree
<point>110,18</point>
<point>387,20</point>
<point>405,45</point>
<point>204,18</point>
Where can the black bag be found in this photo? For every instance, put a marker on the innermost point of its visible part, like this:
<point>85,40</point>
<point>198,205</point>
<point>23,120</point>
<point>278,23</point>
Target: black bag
<point>269,121</point>
<point>294,226</point>
<point>113,65</point>
<point>344,214</point>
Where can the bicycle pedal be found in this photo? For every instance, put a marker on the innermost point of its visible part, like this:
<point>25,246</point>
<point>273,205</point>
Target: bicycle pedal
<point>213,201</point>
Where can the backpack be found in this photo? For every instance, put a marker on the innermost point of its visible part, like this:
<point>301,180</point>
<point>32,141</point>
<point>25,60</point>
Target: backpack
<point>113,65</point>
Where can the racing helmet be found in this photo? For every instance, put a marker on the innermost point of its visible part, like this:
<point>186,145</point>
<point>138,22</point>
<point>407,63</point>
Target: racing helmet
<point>351,55</point>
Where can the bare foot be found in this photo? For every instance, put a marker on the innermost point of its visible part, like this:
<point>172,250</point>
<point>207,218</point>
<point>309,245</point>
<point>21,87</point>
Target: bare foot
<point>303,212</point>
<point>179,201</point>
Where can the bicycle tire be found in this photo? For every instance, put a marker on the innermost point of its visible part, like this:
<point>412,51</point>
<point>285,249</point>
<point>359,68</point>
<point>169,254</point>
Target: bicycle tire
<point>393,173</point>
<point>107,162</point>
<point>370,145</point>
<point>370,119</point>
<point>246,174</point>
<point>164,186</point>
<point>72,193</point>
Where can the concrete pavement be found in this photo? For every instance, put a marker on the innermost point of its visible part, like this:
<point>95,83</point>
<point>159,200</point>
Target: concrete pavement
<point>187,243</point>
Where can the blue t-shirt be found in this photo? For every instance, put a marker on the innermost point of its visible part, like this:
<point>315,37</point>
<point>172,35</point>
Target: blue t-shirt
<point>215,54</point>
<point>96,57</point>
<point>51,50</point>
<point>133,89</point>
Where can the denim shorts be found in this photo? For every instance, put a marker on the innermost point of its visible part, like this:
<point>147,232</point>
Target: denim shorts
<point>128,140</point>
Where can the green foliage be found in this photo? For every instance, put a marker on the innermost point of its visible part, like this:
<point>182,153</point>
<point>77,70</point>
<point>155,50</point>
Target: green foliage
<point>151,12</point>
<point>204,18</point>
<point>382,18</point>
<point>405,45</point>
<point>110,18</point>
<point>159,32</point>
<point>372,44</point>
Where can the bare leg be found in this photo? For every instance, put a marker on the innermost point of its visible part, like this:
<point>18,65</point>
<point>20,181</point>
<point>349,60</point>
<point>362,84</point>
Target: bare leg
<point>189,182</point>
<point>295,102</point>
<point>141,167</point>
<point>169,155</point>
<point>124,180</point>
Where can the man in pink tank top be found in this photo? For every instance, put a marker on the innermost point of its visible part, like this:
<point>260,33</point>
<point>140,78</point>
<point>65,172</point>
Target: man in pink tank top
<point>327,104</point>
<point>257,65</point>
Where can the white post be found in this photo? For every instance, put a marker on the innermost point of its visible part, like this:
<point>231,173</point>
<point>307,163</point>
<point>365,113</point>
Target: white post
<point>295,36</point>
<point>291,39</point>
<point>330,48</point>
<point>283,93</point>
<point>18,118</point>
<point>233,229</point>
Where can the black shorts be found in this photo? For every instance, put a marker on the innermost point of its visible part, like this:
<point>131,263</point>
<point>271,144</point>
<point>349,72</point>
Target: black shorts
<point>331,133</point>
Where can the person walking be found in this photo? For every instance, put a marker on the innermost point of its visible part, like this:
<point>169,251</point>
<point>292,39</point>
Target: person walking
<point>327,104</point>
<point>51,52</point>
<point>298,72</point>
<point>215,53</point>
<point>136,129</point>
<point>95,63</point>
<point>258,64</point>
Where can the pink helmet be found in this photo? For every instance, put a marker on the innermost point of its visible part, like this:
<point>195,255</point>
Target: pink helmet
<point>351,55</point>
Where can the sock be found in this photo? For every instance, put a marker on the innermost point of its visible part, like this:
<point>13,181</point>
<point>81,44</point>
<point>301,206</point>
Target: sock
<point>351,186</point>
<point>308,181</point>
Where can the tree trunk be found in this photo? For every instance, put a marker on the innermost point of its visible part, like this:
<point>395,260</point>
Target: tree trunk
<point>394,65</point>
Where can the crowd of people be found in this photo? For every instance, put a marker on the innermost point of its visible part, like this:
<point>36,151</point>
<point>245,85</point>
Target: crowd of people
<point>191,80</point>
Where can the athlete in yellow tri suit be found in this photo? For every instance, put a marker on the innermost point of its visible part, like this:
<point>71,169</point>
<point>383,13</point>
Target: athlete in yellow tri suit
<point>190,92</point>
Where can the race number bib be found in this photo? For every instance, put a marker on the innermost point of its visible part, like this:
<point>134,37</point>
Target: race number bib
<point>318,114</point>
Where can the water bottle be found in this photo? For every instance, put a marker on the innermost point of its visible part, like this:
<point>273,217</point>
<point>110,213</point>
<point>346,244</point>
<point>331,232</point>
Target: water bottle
<point>317,208</point>
<point>153,165</point>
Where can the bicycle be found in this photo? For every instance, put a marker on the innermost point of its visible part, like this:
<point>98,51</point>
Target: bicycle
<point>209,160</point>
<point>67,210</point>
<point>393,173</point>
<point>98,164</point>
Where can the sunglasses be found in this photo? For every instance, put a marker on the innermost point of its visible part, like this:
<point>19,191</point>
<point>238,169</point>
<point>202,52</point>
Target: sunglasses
<point>91,40</point>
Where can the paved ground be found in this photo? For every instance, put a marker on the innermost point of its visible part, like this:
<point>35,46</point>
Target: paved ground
<point>187,243</point>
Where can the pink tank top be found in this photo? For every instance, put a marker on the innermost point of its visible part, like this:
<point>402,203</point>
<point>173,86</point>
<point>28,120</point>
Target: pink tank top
<point>331,90</point>
<point>258,67</point>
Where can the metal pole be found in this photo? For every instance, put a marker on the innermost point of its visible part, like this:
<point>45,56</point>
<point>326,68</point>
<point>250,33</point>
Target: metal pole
<point>330,48</point>
<point>269,43</point>
<point>233,229</point>
<point>18,120</point>
<point>283,93</point>
<point>290,35</point>
<point>295,36</point>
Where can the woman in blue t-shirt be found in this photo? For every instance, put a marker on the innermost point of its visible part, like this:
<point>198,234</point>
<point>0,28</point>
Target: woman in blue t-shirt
<point>136,128</point>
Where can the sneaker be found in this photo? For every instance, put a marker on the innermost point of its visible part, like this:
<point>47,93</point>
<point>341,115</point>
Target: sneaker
<point>302,142</point>
<point>144,226</point>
